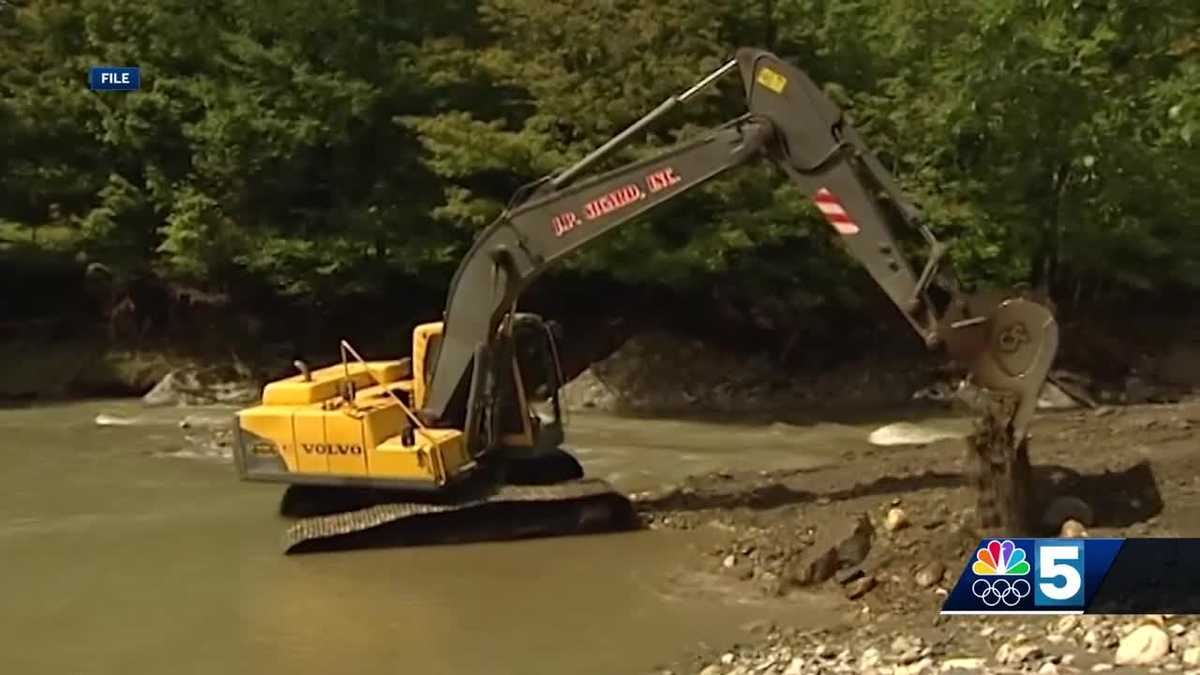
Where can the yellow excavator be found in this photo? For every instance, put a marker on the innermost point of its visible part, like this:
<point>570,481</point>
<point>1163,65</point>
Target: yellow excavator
<point>471,421</point>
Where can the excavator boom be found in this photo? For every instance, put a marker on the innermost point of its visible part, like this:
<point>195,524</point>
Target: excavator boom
<point>1006,343</point>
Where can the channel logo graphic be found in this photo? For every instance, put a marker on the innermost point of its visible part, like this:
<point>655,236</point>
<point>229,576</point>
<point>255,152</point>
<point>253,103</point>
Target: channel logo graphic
<point>1032,576</point>
<point>113,78</point>
<point>1001,559</point>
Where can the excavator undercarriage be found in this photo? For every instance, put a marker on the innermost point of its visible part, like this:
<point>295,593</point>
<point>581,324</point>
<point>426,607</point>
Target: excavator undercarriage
<point>464,436</point>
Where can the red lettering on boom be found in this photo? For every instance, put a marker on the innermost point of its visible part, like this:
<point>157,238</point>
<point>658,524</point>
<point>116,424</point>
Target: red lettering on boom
<point>617,199</point>
<point>564,223</point>
<point>662,179</point>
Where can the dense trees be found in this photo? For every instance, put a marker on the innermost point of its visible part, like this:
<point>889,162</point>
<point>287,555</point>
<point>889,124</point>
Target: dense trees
<point>323,147</point>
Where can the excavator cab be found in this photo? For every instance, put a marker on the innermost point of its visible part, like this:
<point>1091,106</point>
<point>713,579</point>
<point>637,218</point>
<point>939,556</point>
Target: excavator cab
<point>530,409</point>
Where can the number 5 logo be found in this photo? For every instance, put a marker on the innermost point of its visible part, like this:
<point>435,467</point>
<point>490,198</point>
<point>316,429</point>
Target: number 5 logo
<point>1059,573</point>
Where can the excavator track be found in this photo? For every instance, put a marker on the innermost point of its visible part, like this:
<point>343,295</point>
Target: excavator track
<point>547,496</point>
<point>510,512</point>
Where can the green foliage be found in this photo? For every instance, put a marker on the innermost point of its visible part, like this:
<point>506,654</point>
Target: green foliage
<point>322,147</point>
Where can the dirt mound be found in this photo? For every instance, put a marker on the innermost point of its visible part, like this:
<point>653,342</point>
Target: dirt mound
<point>662,373</point>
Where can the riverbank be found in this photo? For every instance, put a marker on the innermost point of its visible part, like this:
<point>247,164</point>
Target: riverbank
<point>643,370</point>
<point>906,515</point>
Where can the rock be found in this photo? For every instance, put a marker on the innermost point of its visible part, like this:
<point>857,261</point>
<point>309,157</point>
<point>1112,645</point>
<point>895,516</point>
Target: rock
<point>1072,529</point>
<point>1191,656</point>
<point>1013,653</point>
<point>795,667</point>
<point>930,574</point>
<point>727,658</point>
<point>1053,397</point>
<point>1066,624</point>
<point>845,544</point>
<point>923,666</point>
<point>896,519</point>
<point>1102,667</point>
<point>907,433</point>
<point>729,562</point>
<point>1063,509</point>
<point>859,587</point>
<point>1024,653</point>
<point>906,649</point>
<point>970,663</point>
<point>845,576</point>
<point>1048,668</point>
<point>1145,645</point>
<point>870,658</point>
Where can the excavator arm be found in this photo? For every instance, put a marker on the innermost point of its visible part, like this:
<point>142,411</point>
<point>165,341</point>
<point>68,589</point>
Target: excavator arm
<point>1007,343</point>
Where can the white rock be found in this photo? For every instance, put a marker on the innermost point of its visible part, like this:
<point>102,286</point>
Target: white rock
<point>923,666</point>
<point>1054,398</point>
<point>870,658</point>
<point>1066,624</point>
<point>1048,669</point>
<point>727,658</point>
<point>896,519</point>
<point>970,663</point>
<point>1191,656</point>
<point>1073,529</point>
<point>1023,653</point>
<point>796,667</point>
<point>729,561</point>
<point>1102,667</point>
<point>1003,655</point>
<point>1145,645</point>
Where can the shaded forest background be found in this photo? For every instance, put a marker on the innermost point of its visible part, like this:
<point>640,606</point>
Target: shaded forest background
<point>298,170</point>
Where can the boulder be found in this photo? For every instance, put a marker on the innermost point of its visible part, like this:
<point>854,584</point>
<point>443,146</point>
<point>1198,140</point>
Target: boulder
<point>844,545</point>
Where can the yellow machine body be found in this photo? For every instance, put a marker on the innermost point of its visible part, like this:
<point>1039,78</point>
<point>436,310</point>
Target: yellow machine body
<point>350,424</point>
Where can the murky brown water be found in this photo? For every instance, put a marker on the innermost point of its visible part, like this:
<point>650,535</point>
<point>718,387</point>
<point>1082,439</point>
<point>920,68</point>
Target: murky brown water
<point>117,555</point>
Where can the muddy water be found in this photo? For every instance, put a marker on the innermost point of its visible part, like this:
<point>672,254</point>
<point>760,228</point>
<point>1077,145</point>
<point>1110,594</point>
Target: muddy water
<point>122,552</point>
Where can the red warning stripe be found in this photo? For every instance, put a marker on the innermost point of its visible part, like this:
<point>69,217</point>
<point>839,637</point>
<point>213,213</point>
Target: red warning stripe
<point>834,212</point>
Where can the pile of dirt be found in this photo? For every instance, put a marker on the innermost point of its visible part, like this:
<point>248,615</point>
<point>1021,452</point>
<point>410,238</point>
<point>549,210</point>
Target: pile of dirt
<point>661,373</point>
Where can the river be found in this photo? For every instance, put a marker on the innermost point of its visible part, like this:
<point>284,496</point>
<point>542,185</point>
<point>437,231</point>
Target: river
<point>123,555</point>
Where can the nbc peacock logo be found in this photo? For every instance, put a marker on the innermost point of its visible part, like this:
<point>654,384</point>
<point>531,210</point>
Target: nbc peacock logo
<point>1000,558</point>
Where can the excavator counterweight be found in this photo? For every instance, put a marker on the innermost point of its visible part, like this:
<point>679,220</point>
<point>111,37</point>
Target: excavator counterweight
<point>472,419</point>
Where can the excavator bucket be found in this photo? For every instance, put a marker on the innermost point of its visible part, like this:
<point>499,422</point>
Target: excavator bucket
<point>1007,342</point>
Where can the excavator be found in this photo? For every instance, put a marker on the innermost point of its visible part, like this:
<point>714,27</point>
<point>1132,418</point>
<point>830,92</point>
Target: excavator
<point>470,424</point>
